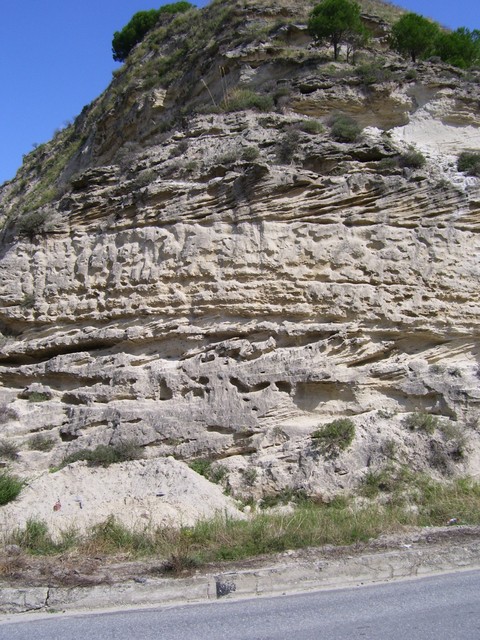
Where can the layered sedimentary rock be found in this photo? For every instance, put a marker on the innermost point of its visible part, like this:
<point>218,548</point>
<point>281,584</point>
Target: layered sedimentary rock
<point>221,288</point>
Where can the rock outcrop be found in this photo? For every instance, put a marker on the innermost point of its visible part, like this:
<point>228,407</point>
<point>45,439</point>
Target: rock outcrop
<point>219,285</point>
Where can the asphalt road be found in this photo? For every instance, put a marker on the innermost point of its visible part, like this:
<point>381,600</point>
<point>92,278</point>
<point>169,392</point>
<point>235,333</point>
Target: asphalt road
<point>440,608</point>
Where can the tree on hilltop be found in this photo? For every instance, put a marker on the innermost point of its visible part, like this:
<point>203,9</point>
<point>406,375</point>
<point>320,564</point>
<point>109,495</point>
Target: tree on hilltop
<point>142,21</point>
<point>337,22</point>
<point>460,47</point>
<point>414,35</point>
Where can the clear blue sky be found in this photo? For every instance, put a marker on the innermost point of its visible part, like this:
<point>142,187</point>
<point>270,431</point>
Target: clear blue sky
<point>55,57</point>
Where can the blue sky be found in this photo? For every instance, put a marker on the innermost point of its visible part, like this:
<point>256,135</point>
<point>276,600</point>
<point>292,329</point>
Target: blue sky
<point>55,57</point>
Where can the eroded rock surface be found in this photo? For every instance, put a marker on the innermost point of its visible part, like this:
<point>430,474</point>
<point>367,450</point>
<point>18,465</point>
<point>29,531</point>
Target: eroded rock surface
<point>209,301</point>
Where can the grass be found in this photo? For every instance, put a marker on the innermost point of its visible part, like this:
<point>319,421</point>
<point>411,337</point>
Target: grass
<point>343,521</point>
<point>423,422</point>
<point>206,469</point>
<point>241,99</point>
<point>8,450</point>
<point>104,455</point>
<point>10,487</point>
<point>38,396</point>
<point>334,437</point>
<point>41,442</point>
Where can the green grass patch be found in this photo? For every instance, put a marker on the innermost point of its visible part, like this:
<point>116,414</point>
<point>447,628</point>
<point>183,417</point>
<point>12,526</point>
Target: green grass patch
<point>10,487</point>
<point>344,521</point>
<point>334,437</point>
<point>424,422</point>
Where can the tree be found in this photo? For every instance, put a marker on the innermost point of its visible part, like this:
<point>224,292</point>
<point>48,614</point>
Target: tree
<point>414,35</point>
<point>142,21</point>
<point>460,48</point>
<point>132,33</point>
<point>336,21</point>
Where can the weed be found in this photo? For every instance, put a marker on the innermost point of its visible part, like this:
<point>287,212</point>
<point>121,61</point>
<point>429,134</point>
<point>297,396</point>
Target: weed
<point>41,442</point>
<point>10,487</point>
<point>8,450</point>
<point>344,128</point>
<point>424,422</point>
<point>334,437</point>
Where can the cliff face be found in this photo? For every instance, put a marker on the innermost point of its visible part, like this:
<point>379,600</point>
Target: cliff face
<point>217,283</point>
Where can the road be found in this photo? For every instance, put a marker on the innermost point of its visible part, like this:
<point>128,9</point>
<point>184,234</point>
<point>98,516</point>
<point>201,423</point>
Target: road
<point>438,608</point>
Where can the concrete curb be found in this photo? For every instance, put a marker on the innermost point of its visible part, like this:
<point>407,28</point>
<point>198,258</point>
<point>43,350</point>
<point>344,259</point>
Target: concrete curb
<point>291,572</point>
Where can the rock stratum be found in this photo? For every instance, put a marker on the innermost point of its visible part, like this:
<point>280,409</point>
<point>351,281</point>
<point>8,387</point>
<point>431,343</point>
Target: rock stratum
<point>213,280</point>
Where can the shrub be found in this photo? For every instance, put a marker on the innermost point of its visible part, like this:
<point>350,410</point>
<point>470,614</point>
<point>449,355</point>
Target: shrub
<point>421,422</point>
<point>41,442</point>
<point>334,437</point>
<point>32,224</point>
<point>8,450</point>
<point>284,496</point>
<point>344,128</point>
<point>310,126</point>
<point>469,162</point>
<point>287,146</point>
<point>373,73</point>
<point>250,154</point>
<point>412,159</point>
<point>38,396</point>
<point>104,455</point>
<point>10,487</point>
<point>241,99</point>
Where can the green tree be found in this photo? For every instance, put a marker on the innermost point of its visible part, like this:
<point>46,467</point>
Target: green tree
<point>460,48</point>
<point>414,35</point>
<point>142,21</point>
<point>337,22</point>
